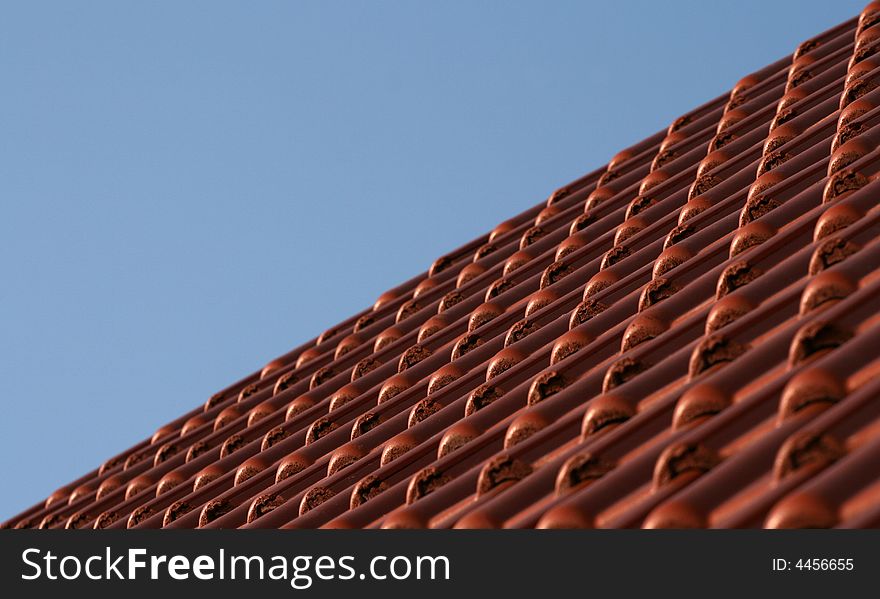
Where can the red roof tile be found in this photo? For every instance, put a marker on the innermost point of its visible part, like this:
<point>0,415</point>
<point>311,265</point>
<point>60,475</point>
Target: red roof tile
<point>685,337</point>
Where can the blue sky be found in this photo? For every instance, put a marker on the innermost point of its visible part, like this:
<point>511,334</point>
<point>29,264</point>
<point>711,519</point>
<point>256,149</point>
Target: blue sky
<point>191,189</point>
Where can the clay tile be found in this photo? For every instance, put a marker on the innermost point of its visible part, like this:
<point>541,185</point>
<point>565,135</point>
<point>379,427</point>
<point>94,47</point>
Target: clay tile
<point>163,454</point>
<point>227,416</point>
<point>581,222</point>
<point>483,314</point>
<point>465,344</point>
<point>422,411</point>
<point>653,180</point>
<point>639,205</point>
<point>298,405</point>
<point>469,273</point>
<point>363,367</point>
<point>546,214</point>
<point>196,449</point>
<point>643,327</point>
<point>735,276</point>
<point>162,434</point>
<point>504,360</point>
<point>393,387</point>
<point>503,228</point>
<point>320,428</point>
<point>806,448</point>
<point>449,300</point>
<point>206,475</point>
<point>500,470</point>
<point>424,286</point>
<point>801,510</point>
<point>613,256</point>
<point>365,423</point>
<point>431,326</point>
<point>138,515</point>
<point>567,344</point>
<point>192,424</point>
<point>264,504</point>
<point>424,482</point>
<point>321,376</point>
<point>756,207</point>
<point>786,111</point>
<point>213,510</point>
<point>540,299</point>
<point>484,250</point>
<point>727,310</point>
<point>555,272</point>
<point>713,350</point>
<point>137,485</point>
<point>619,158</point>
<point>175,511</point>
<point>681,458</point>
<point>848,153</point>
<point>396,446</point>
<point>385,299</point>
<point>307,356</point>
<point>712,160</point>
<point>597,197</point>
<point>498,287</point>
<point>291,465</point>
<point>347,344</point>
<point>601,280</point>
<point>580,469</point>
<point>834,219</point>
<point>811,386</point>
<point>655,291</point>
<point>622,371</point>
<point>168,482</point>
<point>341,397</point>
<point>752,234</point>
<point>675,514</point>
<point>678,234</point>
<point>457,436</point>
<point>271,367</point>
<point>284,382</point>
<point>702,184</point>
<point>274,436</point>
<point>343,457</point>
<point>443,376</point>
<point>604,412</point>
<point>826,287</point>
<point>841,183</point>
<point>412,356</point>
<point>523,426</point>
<point>697,403</point>
<point>107,486</point>
<point>692,208</point>
<point>628,228</point>
<point>544,385</point>
<point>440,264</point>
<point>232,444</point>
<point>584,311</point>
<point>313,498</point>
<point>407,309</point>
<point>814,337</point>
<point>669,259</point>
<point>481,397</point>
<point>363,322</point>
<point>530,236</point>
<point>829,252</point>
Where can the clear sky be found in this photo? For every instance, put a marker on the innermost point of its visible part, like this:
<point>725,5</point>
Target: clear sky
<point>190,189</point>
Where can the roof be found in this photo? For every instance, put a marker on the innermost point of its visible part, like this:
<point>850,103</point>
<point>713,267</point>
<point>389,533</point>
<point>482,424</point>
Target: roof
<point>686,337</point>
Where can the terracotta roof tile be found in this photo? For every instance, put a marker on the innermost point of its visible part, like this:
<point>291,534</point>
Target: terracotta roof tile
<point>686,337</point>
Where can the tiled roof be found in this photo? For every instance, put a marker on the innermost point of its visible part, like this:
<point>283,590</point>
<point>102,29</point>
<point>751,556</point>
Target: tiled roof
<point>685,337</point>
